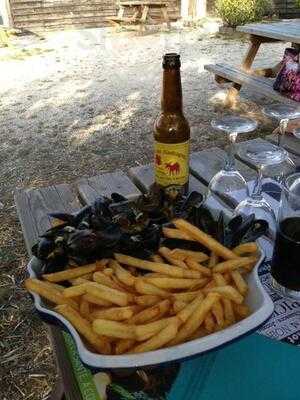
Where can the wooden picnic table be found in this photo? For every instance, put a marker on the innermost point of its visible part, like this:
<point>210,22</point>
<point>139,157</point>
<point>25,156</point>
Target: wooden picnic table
<point>34,205</point>
<point>140,14</point>
<point>259,80</point>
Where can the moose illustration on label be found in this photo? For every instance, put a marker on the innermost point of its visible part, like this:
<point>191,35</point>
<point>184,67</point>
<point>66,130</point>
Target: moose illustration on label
<point>174,169</point>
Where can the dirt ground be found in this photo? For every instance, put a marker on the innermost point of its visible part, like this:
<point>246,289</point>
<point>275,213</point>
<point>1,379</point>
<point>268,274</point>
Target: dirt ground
<point>78,104</point>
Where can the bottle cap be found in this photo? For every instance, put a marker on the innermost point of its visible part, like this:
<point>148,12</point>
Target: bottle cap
<point>171,60</point>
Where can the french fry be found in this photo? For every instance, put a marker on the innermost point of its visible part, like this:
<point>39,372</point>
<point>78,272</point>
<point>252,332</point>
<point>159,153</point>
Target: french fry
<point>147,300</point>
<point>213,259</point>
<point>158,310</point>
<point>77,290</point>
<point>246,248</point>
<point>123,345</point>
<point>115,313</point>
<point>241,310</point>
<point>209,323</point>
<point>165,269</point>
<point>228,307</point>
<point>185,296</point>
<point>195,255</point>
<point>228,292</point>
<point>228,311</point>
<point>196,319</point>
<point>96,300</point>
<point>105,280</point>
<point>172,233</point>
<point>186,312</point>
<point>240,282</point>
<point>144,287</point>
<point>70,273</point>
<point>231,265</point>
<point>174,283</point>
<point>78,281</point>
<point>108,271</point>
<point>159,340</point>
<point>218,312</point>
<point>45,290</point>
<point>209,242</point>
<point>114,329</point>
<point>122,274</point>
<point>146,331</point>
<point>107,293</point>
<point>166,253</point>
<point>56,286</point>
<point>84,308</point>
<point>83,326</point>
<point>179,305</point>
<point>157,258</point>
<point>88,277</point>
<point>197,266</point>
<point>201,332</point>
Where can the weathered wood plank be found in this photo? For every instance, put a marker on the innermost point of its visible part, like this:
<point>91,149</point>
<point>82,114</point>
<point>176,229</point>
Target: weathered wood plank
<point>289,142</point>
<point>260,84</point>
<point>206,163</point>
<point>32,207</point>
<point>143,177</point>
<point>288,31</point>
<point>91,188</point>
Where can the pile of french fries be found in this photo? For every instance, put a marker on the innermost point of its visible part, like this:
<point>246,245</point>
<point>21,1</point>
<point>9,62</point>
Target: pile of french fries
<point>181,295</point>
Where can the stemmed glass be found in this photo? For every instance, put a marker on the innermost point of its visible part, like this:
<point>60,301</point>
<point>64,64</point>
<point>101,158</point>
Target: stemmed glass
<point>282,113</point>
<point>229,180</point>
<point>261,156</point>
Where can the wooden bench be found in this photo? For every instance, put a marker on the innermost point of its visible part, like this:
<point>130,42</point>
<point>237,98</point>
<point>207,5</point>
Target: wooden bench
<point>140,14</point>
<point>286,31</point>
<point>259,84</point>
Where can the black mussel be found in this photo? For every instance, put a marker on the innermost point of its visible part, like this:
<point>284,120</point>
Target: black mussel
<point>83,243</point>
<point>82,214</point>
<point>237,229</point>
<point>148,239</point>
<point>183,244</point>
<point>259,228</point>
<point>43,248</point>
<point>204,220</point>
<point>100,208</point>
<point>53,232</point>
<point>186,205</point>
<point>118,198</point>
<point>64,217</point>
<point>57,261</point>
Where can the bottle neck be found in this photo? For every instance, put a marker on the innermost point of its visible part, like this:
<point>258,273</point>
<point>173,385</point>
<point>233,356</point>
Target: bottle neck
<point>171,100</point>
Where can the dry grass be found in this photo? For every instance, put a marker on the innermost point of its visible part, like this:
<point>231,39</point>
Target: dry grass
<point>65,115</point>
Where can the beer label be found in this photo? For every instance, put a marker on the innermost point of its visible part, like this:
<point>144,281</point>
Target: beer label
<point>171,163</point>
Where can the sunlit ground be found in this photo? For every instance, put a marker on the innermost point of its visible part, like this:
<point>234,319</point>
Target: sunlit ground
<point>79,104</point>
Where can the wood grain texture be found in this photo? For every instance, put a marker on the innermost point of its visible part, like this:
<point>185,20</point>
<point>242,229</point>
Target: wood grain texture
<point>33,205</point>
<point>91,188</point>
<point>206,163</point>
<point>257,83</point>
<point>143,177</point>
<point>289,142</point>
<point>288,31</point>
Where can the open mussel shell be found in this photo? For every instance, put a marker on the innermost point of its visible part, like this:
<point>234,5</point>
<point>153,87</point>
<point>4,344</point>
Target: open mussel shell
<point>258,228</point>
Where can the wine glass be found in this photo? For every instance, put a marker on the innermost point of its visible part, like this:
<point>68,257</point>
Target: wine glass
<point>261,156</point>
<point>229,180</point>
<point>282,113</point>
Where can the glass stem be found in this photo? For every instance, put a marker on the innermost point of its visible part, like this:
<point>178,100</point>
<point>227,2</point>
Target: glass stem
<point>257,189</point>
<point>230,163</point>
<point>283,124</point>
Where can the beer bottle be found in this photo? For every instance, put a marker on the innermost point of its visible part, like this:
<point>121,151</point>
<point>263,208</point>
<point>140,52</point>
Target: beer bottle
<point>171,133</point>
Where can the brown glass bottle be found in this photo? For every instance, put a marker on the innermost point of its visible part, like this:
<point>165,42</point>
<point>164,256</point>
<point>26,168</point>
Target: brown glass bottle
<point>171,132</point>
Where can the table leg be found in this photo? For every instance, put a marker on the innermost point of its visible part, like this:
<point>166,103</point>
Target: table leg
<point>165,15</point>
<point>145,10</point>
<point>246,65</point>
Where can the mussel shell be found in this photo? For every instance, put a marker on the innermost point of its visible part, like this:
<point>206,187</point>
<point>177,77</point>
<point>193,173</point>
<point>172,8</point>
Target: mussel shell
<point>259,228</point>
<point>43,248</point>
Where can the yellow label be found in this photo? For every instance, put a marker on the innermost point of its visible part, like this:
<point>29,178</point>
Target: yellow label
<point>171,163</point>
